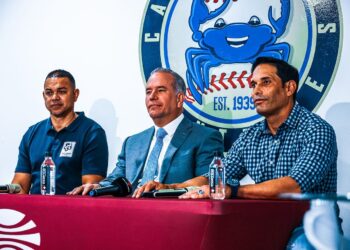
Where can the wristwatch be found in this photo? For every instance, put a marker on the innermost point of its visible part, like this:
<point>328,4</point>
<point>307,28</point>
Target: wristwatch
<point>234,185</point>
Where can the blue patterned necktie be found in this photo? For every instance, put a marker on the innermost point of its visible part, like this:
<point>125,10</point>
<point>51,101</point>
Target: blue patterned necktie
<point>152,164</point>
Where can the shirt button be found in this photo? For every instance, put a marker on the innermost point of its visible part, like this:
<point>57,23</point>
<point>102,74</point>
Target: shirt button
<point>271,163</point>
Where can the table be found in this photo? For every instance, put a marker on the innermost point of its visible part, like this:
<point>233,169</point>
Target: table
<point>66,222</point>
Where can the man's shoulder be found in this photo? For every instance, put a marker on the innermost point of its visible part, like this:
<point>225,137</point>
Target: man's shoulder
<point>148,131</point>
<point>86,122</point>
<point>253,129</point>
<point>142,138</point>
<point>35,130</point>
<point>197,128</point>
<point>39,125</point>
<point>311,120</point>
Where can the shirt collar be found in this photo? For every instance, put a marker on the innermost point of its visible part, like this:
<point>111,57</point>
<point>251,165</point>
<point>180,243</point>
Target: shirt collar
<point>71,127</point>
<point>292,120</point>
<point>264,129</point>
<point>171,127</point>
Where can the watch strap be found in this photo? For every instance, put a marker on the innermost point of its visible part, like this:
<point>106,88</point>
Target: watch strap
<point>234,185</point>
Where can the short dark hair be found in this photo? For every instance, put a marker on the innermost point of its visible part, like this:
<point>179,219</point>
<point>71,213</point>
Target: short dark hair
<point>179,82</point>
<point>62,73</point>
<point>285,71</point>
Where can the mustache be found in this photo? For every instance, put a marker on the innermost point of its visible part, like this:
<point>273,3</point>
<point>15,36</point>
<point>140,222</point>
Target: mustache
<point>55,103</point>
<point>153,104</point>
<point>259,98</point>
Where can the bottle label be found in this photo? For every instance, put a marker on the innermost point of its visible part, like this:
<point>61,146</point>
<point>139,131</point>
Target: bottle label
<point>212,180</point>
<point>48,177</point>
<point>43,179</point>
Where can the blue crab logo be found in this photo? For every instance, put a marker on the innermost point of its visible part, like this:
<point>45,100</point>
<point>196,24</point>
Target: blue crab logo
<point>230,43</point>
<point>212,44</point>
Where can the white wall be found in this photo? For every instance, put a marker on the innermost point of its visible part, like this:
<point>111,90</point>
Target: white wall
<point>98,42</point>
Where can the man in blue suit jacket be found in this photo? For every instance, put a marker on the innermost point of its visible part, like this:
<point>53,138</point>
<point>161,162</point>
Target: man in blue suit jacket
<point>188,147</point>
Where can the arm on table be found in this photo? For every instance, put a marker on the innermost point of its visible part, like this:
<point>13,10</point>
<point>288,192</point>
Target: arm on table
<point>91,178</point>
<point>151,185</point>
<point>266,190</point>
<point>23,179</point>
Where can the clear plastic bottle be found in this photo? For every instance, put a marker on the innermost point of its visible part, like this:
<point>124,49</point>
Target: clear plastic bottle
<point>48,176</point>
<point>217,178</point>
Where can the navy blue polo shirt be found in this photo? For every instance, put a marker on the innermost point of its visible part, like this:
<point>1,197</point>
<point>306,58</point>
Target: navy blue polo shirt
<point>79,149</point>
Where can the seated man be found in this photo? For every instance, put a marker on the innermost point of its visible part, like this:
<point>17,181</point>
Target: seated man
<point>292,150</point>
<point>78,144</point>
<point>172,151</point>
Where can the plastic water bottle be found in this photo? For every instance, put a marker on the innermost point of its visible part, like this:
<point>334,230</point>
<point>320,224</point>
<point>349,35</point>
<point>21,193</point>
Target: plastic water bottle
<point>217,178</point>
<point>48,176</point>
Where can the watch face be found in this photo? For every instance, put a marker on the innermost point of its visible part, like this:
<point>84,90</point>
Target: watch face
<point>233,182</point>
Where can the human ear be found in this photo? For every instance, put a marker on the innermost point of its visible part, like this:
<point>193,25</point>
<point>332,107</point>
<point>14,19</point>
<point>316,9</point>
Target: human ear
<point>180,99</point>
<point>76,94</point>
<point>291,87</point>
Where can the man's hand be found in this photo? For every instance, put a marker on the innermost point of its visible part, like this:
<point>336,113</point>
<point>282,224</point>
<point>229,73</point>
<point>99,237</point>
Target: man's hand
<point>149,186</point>
<point>199,193</point>
<point>83,189</point>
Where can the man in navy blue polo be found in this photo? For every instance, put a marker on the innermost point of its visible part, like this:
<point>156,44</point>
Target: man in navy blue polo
<point>78,144</point>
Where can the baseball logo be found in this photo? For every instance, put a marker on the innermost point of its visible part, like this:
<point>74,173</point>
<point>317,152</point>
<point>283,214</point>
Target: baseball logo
<point>213,43</point>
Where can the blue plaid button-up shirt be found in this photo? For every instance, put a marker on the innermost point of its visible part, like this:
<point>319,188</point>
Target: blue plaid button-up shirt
<point>303,148</point>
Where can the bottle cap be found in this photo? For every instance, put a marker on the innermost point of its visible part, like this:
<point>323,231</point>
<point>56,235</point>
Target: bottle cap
<point>48,154</point>
<point>217,154</point>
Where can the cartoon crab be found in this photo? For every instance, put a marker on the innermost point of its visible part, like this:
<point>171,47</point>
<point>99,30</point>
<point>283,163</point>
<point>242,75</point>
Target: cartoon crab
<point>231,43</point>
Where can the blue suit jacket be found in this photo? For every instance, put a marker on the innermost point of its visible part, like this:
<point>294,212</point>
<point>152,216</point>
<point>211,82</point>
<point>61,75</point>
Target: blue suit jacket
<point>188,155</point>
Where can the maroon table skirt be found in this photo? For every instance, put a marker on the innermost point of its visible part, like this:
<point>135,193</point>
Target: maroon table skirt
<point>64,222</point>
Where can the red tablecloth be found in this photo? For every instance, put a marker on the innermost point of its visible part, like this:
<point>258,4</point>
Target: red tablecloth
<point>65,222</point>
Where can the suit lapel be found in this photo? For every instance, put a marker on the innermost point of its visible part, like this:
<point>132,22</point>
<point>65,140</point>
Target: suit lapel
<point>180,135</point>
<point>145,142</point>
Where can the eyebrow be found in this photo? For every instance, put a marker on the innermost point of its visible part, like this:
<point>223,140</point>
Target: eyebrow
<point>60,88</point>
<point>263,78</point>
<point>158,87</point>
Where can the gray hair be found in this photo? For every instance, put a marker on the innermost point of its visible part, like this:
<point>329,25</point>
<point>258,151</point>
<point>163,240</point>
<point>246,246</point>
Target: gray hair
<point>179,82</point>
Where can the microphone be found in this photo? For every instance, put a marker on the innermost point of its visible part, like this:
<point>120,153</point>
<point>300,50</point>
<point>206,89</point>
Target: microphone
<point>10,188</point>
<point>120,187</point>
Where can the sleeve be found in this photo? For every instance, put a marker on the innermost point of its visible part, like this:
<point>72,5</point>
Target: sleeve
<point>119,170</point>
<point>95,156</point>
<point>211,143</point>
<point>234,160</point>
<point>318,156</point>
<point>23,162</point>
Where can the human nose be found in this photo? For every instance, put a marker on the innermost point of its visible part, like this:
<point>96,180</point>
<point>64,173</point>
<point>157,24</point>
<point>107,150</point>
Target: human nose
<point>55,95</point>
<point>256,90</point>
<point>153,95</point>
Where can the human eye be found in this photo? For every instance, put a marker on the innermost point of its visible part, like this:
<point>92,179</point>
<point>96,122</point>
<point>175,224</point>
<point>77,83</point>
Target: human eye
<point>62,91</point>
<point>161,89</point>
<point>266,82</point>
<point>253,84</point>
<point>148,91</point>
<point>48,92</point>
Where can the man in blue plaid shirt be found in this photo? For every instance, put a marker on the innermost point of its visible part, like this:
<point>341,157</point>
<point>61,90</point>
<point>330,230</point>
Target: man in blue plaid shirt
<point>291,151</point>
